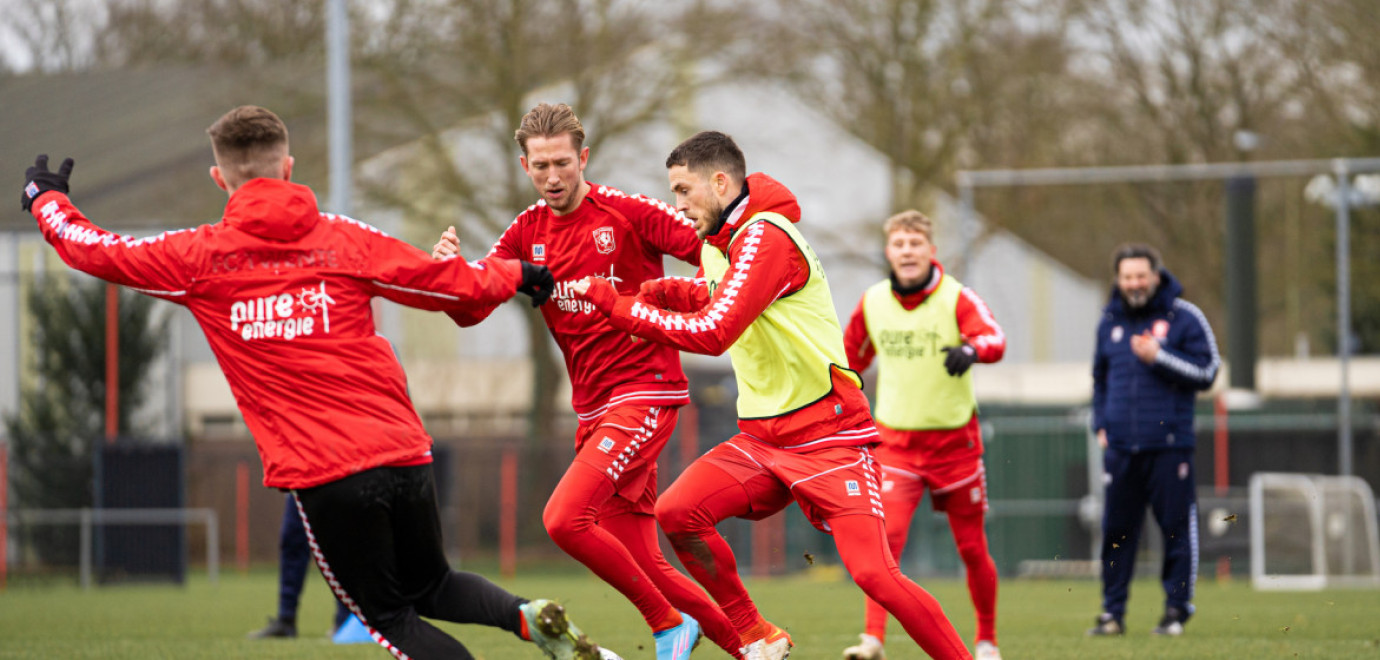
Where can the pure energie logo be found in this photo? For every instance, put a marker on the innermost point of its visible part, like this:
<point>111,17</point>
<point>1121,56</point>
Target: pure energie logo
<point>283,316</point>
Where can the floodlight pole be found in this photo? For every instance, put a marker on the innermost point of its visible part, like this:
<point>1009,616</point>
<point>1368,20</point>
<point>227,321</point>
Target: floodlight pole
<point>338,104</point>
<point>1342,173</point>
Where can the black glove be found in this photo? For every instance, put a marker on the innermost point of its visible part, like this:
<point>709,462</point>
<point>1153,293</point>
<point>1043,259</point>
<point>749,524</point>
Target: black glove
<point>40,180</point>
<point>536,282</point>
<point>959,359</point>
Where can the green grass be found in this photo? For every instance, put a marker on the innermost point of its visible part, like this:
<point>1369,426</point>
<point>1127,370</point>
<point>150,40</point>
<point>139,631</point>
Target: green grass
<point>1037,620</point>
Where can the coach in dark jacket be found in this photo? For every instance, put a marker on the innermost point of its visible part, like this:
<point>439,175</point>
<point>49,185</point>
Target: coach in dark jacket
<point>1155,352</point>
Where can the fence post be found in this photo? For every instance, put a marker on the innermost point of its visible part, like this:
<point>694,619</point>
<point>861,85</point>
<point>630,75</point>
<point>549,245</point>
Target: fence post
<point>4,514</point>
<point>242,516</point>
<point>507,514</point>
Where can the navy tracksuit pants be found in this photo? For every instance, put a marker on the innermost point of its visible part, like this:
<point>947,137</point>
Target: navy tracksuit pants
<point>1164,481</point>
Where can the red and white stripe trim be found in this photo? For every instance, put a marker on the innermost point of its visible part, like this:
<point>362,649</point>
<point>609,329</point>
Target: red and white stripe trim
<point>339,590</point>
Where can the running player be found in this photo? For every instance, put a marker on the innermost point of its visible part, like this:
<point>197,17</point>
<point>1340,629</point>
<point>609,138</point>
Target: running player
<point>804,423</point>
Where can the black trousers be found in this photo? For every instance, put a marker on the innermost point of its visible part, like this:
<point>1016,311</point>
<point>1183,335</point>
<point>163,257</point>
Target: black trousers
<point>376,536</point>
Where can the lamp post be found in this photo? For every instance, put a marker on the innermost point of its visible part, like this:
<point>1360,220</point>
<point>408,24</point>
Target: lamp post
<point>1338,192</point>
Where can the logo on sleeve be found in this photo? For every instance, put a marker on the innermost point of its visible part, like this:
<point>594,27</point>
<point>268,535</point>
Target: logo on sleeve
<point>283,315</point>
<point>606,444</point>
<point>852,487</point>
<point>31,190</point>
<point>603,240</point>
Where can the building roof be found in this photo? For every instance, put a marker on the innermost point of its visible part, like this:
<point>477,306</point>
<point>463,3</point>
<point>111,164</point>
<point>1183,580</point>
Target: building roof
<point>138,138</point>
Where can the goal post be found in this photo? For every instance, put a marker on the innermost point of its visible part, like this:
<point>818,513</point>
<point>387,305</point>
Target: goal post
<point>1310,532</point>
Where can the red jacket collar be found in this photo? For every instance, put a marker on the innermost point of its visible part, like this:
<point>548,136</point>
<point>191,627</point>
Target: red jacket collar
<point>273,209</point>
<point>912,300</point>
<point>765,195</point>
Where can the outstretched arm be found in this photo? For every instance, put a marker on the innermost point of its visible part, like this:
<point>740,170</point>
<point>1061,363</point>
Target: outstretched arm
<point>156,265</point>
<point>771,267</point>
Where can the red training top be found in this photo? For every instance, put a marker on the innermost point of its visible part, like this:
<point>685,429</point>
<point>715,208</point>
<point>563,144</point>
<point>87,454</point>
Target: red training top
<point>283,293</point>
<point>617,236</point>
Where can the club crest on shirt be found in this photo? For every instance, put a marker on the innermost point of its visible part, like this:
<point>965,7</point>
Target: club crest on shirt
<point>1160,329</point>
<point>1183,471</point>
<point>538,252</point>
<point>603,240</point>
<point>852,487</point>
<point>1117,333</point>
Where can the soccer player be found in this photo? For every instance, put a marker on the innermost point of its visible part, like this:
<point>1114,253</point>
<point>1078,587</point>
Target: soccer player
<point>627,393</point>
<point>925,330</point>
<point>283,292</point>
<point>804,423</point>
<point>1155,352</point>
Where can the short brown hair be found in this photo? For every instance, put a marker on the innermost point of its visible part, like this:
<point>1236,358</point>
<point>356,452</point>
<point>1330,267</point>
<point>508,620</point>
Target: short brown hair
<point>548,121</point>
<point>249,142</point>
<point>1136,251</point>
<point>710,150</point>
<point>910,220</point>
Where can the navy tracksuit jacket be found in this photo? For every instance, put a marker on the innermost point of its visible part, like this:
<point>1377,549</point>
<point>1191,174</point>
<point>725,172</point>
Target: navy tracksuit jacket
<point>1147,412</point>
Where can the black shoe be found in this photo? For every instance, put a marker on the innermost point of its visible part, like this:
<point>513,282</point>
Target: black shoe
<point>1172,623</point>
<point>1107,625</point>
<point>276,628</point>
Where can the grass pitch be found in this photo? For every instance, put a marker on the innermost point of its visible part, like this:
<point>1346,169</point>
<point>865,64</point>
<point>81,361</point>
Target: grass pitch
<point>1037,620</point>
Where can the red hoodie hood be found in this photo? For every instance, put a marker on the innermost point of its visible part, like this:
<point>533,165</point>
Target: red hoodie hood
<point>765,195</point>
<point>273,209</point>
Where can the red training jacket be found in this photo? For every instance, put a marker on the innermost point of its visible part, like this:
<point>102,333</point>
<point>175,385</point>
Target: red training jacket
<point>697,320</point>
<point>622,238</point>
<point>283,293</point>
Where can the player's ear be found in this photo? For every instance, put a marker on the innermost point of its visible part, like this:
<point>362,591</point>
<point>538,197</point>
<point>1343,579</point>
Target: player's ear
<point>218,178</point>
<point>287,167</point>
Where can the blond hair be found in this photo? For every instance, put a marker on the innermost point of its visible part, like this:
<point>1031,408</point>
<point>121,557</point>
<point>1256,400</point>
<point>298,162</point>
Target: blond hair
<point>911,220</point>
<point>249,142</point>
<point>549,121</point>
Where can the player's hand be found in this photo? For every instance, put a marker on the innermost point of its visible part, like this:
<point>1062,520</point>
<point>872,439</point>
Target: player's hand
<point>581,286</point>
<point>447,246</point>
<point>959,358</point>
<point>652,293</point>
<point>1102,438</point>
<point>39,180</point>
<point>1145,346</point>
<point>537,282</point>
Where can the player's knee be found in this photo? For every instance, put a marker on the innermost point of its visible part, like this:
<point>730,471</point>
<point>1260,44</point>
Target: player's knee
<point>676,517</point>
<point>563,521</point>
<point>872,580</point>
<point>972,551</point>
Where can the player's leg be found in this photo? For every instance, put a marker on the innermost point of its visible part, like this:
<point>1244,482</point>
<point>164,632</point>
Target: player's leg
<point>634,524</point>
<point>861,541</point>
<point>970,535</point>
<point>376,537</point>
<point>723,483</point>
<point>612,457</point>
<point>349,523</point>
<point>1174,502</point>
<point>902,491</point>
<point>1122,517</point>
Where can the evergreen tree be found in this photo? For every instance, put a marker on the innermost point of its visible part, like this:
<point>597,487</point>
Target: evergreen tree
<point>61,416</point>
